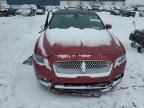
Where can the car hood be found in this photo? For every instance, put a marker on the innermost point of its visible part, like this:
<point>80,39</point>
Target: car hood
<point>80,41</point>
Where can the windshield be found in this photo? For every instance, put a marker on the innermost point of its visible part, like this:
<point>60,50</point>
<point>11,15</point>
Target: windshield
<point>64,21</point>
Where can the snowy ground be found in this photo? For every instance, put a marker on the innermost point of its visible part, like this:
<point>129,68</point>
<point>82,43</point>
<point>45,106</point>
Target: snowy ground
<point>18,85</point>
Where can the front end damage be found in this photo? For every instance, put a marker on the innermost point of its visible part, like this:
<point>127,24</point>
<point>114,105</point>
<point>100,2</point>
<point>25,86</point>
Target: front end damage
<point>80,75</point>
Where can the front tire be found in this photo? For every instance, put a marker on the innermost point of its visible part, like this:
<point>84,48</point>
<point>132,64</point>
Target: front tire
<point>140,15</point>
<point>131,37</point>
<point>140,49</point>
<point>133,44</point>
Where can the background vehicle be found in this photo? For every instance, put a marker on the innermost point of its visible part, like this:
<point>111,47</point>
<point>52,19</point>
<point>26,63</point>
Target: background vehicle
<point>127,13</point>
<point>3,12</point>
<point>11,11</point>
<point>115,12</point>
<point>7,12</point>
<point>140,8</point>
<point>130,9</point>
<point>25,12</point>
<point>141,13</point>
<point>40,10</point>
<point>108,9</point>
<point>96,8</point>
<point>137,37</point>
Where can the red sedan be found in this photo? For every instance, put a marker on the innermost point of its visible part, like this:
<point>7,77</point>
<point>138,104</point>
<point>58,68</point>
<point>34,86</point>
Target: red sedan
<point>77,52</point>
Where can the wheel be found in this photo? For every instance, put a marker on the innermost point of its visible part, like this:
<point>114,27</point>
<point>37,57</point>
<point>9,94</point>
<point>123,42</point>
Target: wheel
<point>131,37</point>
<point>140,49</point>
<point>14,14</point>
<point>133,44</point>
<point>140,15</point>
<point>7,15</point>
<point>121,15</point>
<point>127,15</point>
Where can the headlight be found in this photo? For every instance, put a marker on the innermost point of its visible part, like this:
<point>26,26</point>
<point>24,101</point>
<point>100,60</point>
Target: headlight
<point>120,60</point>
<point>40,60</point>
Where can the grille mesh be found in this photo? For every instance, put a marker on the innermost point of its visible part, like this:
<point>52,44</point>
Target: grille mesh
<point>82,67</point>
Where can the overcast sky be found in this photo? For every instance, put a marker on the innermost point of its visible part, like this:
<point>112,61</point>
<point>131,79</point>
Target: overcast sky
<point>133,2</point>
<point>140,2</point>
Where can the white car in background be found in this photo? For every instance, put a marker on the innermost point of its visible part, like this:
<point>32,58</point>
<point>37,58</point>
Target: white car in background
<point>140,8</point>
<point>25,12</point>
<point>141,13</point>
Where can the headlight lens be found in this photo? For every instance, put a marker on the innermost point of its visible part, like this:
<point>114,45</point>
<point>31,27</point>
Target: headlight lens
<point>40,60</point>
<point>120,60</point>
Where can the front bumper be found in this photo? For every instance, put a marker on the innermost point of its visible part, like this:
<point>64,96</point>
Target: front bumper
<point>100,87</point>
<point>48,78</point>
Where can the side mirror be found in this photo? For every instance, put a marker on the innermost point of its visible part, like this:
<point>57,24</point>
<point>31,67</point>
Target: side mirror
<point>108,26</point>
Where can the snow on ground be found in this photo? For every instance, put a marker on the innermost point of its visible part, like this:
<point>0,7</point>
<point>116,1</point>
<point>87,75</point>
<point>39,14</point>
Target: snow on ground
<point>18,85</point>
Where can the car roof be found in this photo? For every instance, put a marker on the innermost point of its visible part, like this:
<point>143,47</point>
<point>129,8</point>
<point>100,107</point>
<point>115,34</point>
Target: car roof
<point>74,11</point>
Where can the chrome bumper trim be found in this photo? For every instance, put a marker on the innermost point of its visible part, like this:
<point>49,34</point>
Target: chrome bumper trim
<point>102,89</point>
<point>46,84</point>
<point>77,87</point>
<point>106,88</point>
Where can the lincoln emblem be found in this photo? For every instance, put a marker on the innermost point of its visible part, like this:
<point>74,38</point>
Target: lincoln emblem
<point>83,67</point>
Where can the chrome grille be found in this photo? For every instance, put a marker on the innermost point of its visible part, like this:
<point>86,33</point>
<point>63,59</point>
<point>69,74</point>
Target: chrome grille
<point>82,67</point>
